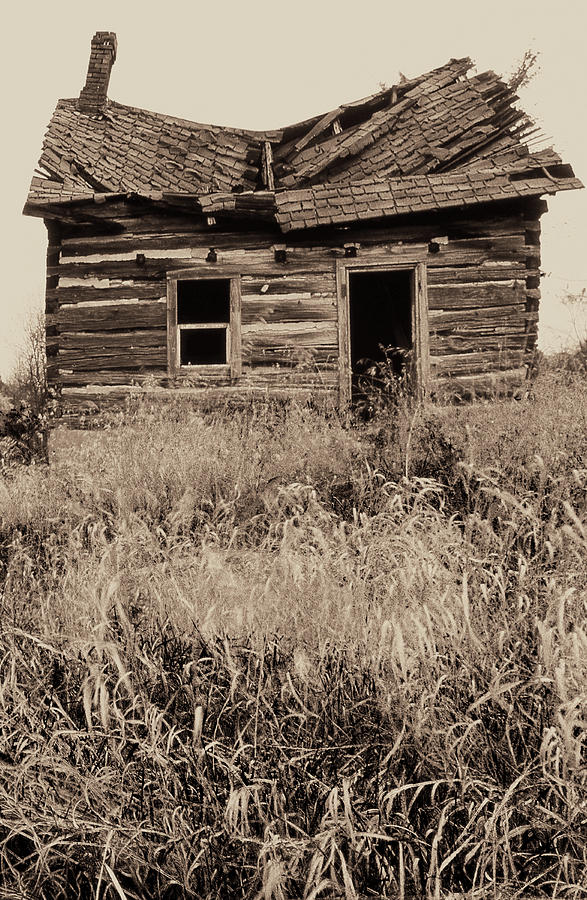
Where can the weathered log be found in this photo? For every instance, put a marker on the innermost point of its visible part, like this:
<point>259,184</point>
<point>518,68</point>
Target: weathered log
<point>100,377</point>
<point>472,321</point>
<point>464,343</point>
<point>152,359</point>
<point>294,308</point>
<point>472,363</point>
<point>479,294</point>
<point>144,243</point>
<point>290,344</point>
<point>323,282</point>
<point>477,274</point>
<point>149,269</point>
<point>111,341</point>
<point>476,251</point>
<point>289,357</point>
<point>476,316</point>
<point>131,291</point>
<point>112,317</point>
<point>290,334</point>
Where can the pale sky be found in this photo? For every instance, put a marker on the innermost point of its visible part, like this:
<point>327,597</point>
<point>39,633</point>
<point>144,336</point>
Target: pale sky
<point>261,64</point>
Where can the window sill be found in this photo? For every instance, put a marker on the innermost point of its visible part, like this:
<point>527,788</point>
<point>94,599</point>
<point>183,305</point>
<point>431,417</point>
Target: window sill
<point>198,370</point>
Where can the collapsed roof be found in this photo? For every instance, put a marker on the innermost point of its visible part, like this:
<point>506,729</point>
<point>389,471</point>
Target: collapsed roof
<point>444,139</point>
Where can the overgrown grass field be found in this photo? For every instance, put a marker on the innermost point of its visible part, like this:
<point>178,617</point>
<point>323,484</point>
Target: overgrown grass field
<point>272,654</point>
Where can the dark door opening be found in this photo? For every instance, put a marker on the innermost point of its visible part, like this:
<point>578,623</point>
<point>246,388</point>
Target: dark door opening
<point>380,324</point>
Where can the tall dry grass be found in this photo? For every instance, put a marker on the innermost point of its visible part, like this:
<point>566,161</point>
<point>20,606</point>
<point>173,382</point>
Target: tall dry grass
<point>269,655</point>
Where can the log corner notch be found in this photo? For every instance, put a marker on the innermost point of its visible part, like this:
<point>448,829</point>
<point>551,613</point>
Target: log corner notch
<point>136,200</point>
<point>51,302</point>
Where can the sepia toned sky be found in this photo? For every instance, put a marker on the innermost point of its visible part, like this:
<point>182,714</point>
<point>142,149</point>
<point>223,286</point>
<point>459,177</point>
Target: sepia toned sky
<point>261,65</point>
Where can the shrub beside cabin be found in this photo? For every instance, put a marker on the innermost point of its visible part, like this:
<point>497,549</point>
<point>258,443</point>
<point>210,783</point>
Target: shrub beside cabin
<point>202,258</point>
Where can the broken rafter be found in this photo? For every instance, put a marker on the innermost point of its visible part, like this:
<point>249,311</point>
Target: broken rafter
<point>66,214</point>
<point>96,185</point>
<point>46,173</point>
<point>319,128</point>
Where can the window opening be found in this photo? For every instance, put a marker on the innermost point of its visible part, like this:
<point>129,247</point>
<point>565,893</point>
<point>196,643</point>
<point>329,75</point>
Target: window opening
<point>203,321</point>
<point>205,347</point>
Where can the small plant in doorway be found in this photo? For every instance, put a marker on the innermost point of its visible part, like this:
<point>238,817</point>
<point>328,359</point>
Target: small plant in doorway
<point>384,386</point>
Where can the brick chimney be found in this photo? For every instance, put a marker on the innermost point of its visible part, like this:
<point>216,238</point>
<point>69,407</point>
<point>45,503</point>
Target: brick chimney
<point>93,97</point>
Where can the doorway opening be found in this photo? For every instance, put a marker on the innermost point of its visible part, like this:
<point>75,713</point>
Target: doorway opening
<point>381,327</point>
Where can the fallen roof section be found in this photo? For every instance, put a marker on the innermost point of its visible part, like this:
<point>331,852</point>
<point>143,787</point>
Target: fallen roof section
<point>128,149</point>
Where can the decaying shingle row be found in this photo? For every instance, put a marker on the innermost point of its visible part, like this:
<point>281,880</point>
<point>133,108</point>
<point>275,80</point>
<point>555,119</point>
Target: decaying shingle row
<point>333,204</point>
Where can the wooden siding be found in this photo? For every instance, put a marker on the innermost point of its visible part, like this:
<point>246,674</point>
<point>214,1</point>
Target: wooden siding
<point>107,300</point>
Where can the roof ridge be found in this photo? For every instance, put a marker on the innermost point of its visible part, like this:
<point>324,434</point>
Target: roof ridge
<point>267,134</point>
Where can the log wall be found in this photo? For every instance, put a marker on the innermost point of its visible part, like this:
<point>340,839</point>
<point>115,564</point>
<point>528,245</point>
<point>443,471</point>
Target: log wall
<point>106,307</point>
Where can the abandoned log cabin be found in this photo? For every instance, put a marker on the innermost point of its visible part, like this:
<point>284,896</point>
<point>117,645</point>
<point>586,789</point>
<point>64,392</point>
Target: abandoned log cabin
<point>403,227</point>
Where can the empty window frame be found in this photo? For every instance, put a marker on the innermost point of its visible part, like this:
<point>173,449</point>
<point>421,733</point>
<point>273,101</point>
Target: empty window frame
<point>204,324</point>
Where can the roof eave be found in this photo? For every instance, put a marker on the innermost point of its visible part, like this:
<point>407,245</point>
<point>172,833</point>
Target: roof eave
<point>298,210</point>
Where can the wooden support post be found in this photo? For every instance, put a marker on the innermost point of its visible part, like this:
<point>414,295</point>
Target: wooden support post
<point>268,176</point>
<point>235,357</point>
<point>420,328</point>
<point>172,348</point>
